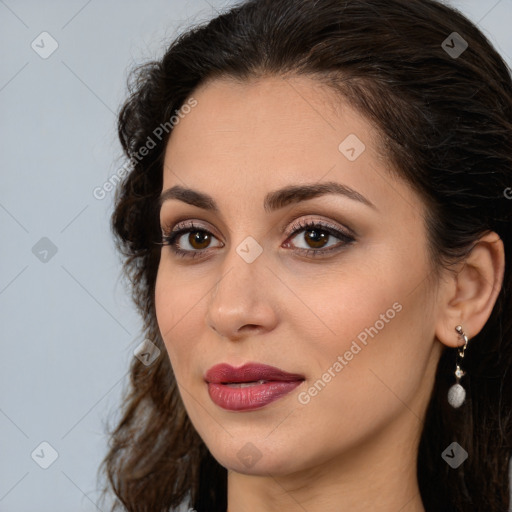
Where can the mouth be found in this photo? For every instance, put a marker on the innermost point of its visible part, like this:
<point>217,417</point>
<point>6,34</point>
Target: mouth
<point>250,386</point>
<point>244,384</point>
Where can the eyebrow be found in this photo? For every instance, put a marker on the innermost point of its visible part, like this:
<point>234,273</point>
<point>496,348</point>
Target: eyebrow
<point>273,200</point>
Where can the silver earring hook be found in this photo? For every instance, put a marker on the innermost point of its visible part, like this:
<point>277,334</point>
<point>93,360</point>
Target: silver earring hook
<point>465,338</point>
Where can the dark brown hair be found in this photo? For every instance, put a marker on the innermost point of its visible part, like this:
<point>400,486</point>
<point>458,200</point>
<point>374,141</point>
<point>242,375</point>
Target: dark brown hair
<point>445,123</point>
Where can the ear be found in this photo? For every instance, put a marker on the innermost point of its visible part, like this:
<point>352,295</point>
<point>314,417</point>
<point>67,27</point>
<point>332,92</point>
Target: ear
<point>468,295</point>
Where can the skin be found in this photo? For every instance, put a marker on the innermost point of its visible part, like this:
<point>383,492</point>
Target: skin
<point>353,446</point>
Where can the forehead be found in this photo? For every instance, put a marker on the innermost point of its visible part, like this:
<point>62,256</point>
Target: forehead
<point>284,109</point>
<point>264,134</point>
<point>270,123</point>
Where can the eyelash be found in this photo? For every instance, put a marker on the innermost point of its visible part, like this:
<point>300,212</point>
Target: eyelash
<point>170,238</point>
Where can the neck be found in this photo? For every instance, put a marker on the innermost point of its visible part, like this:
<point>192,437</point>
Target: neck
<point>376,475</point>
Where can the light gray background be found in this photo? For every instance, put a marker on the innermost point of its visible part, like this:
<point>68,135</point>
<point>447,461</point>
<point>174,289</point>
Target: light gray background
<point>68,328</point>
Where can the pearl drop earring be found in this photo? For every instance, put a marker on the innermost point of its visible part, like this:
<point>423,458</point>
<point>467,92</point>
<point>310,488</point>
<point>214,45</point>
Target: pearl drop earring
<point>457,394</point>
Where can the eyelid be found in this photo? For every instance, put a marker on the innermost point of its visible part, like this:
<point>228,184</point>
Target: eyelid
<point>304,220</point>
<point>173,227</point>
<point>287,229</point>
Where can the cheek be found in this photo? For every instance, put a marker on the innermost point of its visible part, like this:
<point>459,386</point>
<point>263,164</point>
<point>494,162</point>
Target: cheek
<point>335,308</point>
<point>177,304</point>
<point>376,321</point>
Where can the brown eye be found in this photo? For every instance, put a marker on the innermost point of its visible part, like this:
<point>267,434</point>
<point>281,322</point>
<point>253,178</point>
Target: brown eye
<point>315,236</point>
<point>197,241</point>
<point>201,238</point>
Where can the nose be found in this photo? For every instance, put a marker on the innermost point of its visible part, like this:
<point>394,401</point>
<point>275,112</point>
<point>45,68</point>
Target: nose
<point>242,303</point>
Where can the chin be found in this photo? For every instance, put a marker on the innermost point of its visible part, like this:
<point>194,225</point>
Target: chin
<point>257,457</point>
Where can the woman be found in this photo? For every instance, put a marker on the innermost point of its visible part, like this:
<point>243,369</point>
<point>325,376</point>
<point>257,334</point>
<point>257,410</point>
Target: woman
<point>317,229</point>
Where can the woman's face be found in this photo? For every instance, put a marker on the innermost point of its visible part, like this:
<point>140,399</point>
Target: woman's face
<point>343,306</point>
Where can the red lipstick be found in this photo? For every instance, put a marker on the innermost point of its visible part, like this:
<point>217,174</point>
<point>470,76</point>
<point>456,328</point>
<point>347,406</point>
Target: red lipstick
<point>250,386</point>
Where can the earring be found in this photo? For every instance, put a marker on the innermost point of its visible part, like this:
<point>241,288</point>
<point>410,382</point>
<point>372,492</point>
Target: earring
<point>457,394</point>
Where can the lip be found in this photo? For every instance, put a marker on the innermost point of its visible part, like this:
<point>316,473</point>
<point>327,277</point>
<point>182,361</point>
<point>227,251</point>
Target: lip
<point>225,385</point>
